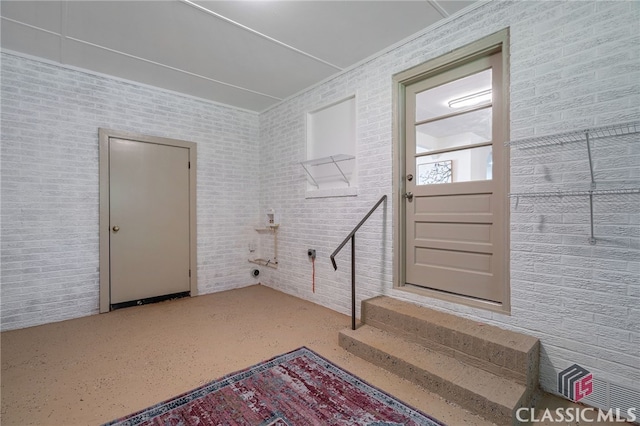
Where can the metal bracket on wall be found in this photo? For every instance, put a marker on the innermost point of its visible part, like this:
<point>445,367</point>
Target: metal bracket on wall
<point>586,136</point>
<point>332,159</point>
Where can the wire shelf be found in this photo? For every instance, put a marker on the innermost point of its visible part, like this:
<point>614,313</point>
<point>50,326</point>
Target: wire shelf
<point>609,197</point>
<point>577,135</point>
<point>560,194</point>
<point>332,159</point>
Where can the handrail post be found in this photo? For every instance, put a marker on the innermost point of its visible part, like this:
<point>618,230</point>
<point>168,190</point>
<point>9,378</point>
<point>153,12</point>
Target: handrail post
<point>352,237</point>
<point>353,282</point>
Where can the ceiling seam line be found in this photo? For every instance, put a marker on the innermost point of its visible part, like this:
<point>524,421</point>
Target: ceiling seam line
<point>440,9</point>
<point>258,33</point>
<point>54,63</point>
<point>174,68</point>
<point>384,51</point>
<point>31,26</point>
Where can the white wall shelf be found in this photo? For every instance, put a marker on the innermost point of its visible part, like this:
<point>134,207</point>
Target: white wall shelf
<point>577,193</point>
<point>586,136</point>
<point>264,262</point>
<point>267,228</point>
<point>332,159</point>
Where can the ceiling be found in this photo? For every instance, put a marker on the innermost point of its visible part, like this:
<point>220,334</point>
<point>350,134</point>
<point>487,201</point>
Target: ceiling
<point>249,54</point>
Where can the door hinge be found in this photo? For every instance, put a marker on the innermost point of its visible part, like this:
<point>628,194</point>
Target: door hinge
<point>189,273</point>
<point>189,164</point>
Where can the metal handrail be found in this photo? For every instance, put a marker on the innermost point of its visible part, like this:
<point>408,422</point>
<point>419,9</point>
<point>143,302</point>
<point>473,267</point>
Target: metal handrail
<point>352,237</point>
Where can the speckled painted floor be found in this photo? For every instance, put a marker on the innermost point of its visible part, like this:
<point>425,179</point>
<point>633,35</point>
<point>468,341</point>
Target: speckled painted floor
<point>94,369</point>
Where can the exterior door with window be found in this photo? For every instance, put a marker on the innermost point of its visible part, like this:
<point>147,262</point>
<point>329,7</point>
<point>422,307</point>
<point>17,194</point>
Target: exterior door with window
<point>454,213</point>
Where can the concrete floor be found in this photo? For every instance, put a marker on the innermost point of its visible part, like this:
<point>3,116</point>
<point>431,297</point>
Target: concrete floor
<point>91,370</point>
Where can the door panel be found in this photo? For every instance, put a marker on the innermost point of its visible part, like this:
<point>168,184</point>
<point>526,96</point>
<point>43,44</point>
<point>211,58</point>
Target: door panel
<point>454,233</point>
<point>149,203</point>
<point>460,279</point>
<point>454,219</point>
<point>453,260</point>
<point>453,204</point>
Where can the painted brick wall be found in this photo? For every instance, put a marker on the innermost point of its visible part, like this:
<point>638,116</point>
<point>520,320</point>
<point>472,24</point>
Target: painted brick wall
<point>573,65</point>
<point>50,121</point>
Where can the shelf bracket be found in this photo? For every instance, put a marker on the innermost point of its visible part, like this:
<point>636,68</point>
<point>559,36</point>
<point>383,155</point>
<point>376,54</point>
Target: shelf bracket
<point>592,238</point>
<point>310,175</point>
<point>586,136</point>
<point>340,170</point>
<point>332,159</point>
<point>593,180</point>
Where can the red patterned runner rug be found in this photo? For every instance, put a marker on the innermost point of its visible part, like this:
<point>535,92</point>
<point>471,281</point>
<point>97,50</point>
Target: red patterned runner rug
<point>296,388</point>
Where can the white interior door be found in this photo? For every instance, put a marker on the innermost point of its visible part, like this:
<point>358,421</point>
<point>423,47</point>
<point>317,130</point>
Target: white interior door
<point>149,220</point>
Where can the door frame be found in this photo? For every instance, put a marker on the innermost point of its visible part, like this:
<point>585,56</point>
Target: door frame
<point>104,223</point>
<point>497,42</point>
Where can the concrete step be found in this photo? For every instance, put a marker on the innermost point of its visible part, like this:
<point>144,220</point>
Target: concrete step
<point>504,353</point>
<point>485,369</point>
<point>493,397</point>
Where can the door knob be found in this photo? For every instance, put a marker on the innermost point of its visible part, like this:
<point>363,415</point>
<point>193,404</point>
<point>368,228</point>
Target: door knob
<point>408,196</point>
<point>116,228</point>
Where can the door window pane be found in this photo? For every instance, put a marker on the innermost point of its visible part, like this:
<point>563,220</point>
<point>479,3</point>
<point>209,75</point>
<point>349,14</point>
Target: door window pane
<point>456,166</point>
<point>464,129</point>
<point>448,98</point>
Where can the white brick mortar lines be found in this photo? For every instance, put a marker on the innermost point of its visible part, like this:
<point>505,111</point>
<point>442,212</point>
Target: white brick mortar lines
<point>50,121</point>
<point>573,65</point>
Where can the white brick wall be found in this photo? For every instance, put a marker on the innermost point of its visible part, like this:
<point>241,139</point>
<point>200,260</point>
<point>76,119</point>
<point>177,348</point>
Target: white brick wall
<point>50,120</point>
<point>573,65</point>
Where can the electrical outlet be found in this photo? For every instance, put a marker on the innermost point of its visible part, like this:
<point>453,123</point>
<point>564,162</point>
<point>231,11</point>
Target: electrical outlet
<point>311,253</point>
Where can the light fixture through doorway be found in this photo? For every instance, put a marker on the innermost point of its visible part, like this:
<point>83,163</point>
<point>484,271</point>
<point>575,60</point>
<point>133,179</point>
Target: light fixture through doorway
<point>471,100</point>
